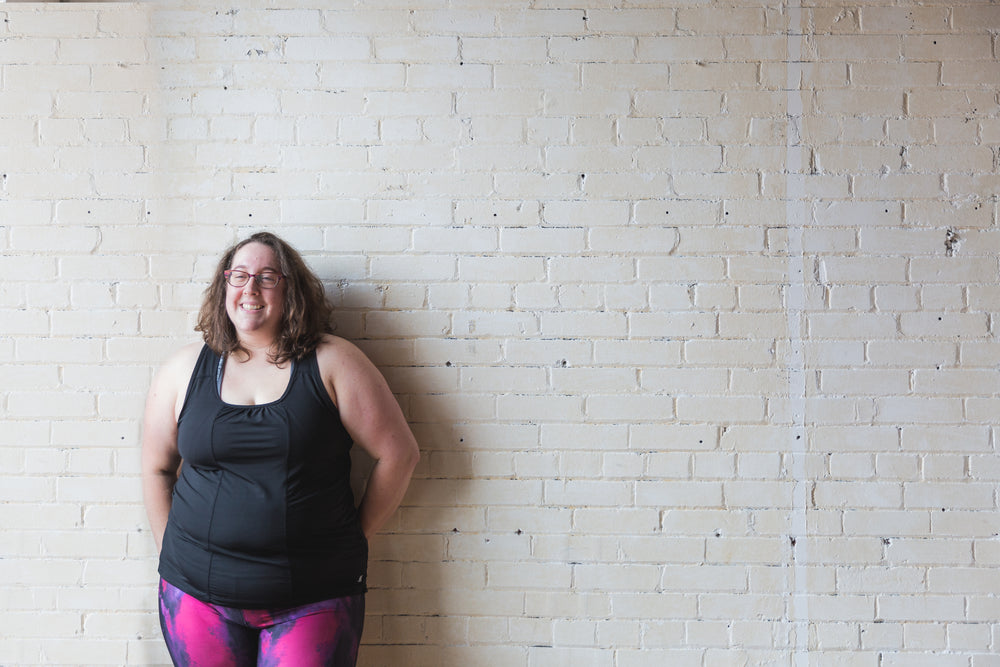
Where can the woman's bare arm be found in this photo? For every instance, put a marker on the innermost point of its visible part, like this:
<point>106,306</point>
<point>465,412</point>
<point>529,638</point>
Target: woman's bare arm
<point>160,458</point>
<point>373,418</point>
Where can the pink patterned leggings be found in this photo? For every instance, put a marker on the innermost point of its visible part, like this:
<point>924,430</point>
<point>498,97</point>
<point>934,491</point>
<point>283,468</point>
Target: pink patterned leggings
<point>321,634</point>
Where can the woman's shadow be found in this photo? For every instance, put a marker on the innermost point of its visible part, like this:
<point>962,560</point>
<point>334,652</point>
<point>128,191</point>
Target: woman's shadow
<point>411,567</point>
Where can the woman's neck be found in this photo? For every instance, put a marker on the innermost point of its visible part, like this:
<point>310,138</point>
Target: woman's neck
<point>251,349</point>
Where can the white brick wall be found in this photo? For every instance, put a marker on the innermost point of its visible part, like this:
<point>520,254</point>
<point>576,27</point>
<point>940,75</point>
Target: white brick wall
<point>693,310</point>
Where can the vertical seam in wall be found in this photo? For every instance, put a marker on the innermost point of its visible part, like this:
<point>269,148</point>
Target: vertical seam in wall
<point>795,214</point>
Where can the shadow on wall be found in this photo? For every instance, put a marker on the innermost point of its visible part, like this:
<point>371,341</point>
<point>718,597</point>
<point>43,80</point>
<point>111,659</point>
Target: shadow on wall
<point>409,562</point>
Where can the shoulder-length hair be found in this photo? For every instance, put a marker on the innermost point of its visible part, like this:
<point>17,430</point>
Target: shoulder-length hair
<point>304,318</point>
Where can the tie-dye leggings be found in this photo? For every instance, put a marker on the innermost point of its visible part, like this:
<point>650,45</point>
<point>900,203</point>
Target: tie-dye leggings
<point>321,634</point>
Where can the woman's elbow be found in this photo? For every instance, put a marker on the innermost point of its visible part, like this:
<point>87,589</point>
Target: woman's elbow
<point>411,457</point>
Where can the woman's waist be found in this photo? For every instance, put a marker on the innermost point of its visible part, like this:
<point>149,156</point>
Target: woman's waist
<point>267,547</point>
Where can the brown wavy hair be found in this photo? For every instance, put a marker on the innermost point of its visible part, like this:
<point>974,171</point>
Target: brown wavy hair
<point>304,318</point>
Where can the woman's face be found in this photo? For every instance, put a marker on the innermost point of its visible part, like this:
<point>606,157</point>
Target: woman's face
<point>254,310</point>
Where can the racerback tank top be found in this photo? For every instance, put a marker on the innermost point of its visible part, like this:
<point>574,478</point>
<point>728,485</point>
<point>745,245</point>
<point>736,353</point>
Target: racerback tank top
<point>262,514</point>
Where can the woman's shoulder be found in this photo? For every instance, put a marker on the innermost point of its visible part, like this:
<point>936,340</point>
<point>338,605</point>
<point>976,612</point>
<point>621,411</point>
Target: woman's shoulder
<point>339,362</point>
<point>166,392</point>
<point>332,348</point>
<point>334,352</point>
<point>181,362</point>
<point>186,353</point>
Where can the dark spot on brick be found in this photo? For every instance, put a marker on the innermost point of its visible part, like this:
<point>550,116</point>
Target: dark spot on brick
<point>951,242</point>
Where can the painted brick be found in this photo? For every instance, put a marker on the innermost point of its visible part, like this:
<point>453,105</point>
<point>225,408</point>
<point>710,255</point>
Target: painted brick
<point>899,20</point>
<point>543,22</point>
<point>703,21</point>
<point>582,301</point>
<point>284,21</point>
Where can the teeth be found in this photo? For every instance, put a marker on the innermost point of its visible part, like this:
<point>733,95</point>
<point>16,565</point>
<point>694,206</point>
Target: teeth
<point>247,306</point>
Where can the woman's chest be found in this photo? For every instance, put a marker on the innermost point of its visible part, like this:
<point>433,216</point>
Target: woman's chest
<point>253,383</point>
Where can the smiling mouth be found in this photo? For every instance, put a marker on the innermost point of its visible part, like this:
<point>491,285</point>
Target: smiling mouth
<point>250,306</point>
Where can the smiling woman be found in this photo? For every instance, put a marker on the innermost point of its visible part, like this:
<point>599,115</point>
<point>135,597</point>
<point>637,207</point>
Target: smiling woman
<point>253,304</point>
<point>262,551</point>
<point>290,295</point>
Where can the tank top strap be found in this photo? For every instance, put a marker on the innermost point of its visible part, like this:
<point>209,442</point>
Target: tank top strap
<point>206,361</point>
<point>199,387</point>
<point>309,365</point>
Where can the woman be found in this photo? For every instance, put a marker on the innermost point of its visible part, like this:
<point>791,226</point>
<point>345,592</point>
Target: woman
<point>263,555</point>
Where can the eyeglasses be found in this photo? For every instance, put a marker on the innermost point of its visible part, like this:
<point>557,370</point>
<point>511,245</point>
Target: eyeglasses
<point>266,279</point>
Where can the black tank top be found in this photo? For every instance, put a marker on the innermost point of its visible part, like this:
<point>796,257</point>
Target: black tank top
<point>263,515</point>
